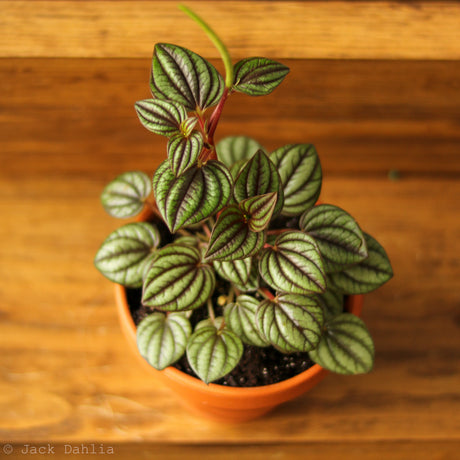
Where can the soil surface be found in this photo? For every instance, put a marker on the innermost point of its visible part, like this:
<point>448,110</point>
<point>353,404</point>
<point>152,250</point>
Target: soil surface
<point>258,366</point>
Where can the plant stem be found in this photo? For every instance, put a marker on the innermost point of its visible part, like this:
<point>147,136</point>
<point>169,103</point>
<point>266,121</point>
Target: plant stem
<point>214,119</point>
<point>225,55</point>
<point>211,311</point>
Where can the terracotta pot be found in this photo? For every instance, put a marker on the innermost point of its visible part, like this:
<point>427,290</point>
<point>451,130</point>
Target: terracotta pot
<point>224,403</point>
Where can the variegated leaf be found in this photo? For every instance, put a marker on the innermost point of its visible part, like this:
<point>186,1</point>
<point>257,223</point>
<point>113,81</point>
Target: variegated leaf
<point>181,75</point>
<point>183,152</point>
<point>125,195</point>
<point>200,192</point>
<point>346,346</point>
<point>177,279</point>
<point>231,238</point>
<point>213,353</point>
<point>300,171</point>
<point>234,271</point>
<point>291,322</point>
<point>162,339</point>
<point>240,317</point>
<point>337,235</point>
<point>259,210</point>
<point>233,149</point>
<point>258,177</point>
<point>332,302</point>
<point>365,276</point>
<point>161,117</point>
<point>258,76</point>
<point>123,255</point>
<point>293,264</point>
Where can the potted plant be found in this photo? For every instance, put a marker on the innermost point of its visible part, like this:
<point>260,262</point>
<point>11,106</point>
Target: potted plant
<point>233,263</point>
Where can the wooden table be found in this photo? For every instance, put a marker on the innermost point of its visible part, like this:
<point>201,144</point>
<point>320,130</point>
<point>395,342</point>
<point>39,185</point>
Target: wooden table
<point>375,86</point>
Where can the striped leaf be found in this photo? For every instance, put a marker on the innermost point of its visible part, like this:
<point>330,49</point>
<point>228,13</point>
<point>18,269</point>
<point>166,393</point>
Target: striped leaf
<point>253,283</point>
<point>291,322</point>
<point>337,235</point>
<point>293,264</point>
<point>300,171</point>
<point>368,275</point>
<point>183,151</point>
<point>213,353</point>
<point>188,125</point>
<point>177,280</point>
<point>258,177</point>
<point>259,210</point>
<point>240,317</point>
<point>183,76</point>
<point>126,194</point>
<point>332,302</point>
<point>162,339</point>
<point>200,192</point>
<point>258,76</point>
<point>234,271</point>
<point>346,346</point>
<point>160,117</point>
<point>123,256</point>
<point>231,238</point>
<point>233,149</point>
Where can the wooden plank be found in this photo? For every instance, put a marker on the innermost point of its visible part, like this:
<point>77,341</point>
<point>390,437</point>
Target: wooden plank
<point>333,30</point>
<point>67,374</point>
<point>365,117</point>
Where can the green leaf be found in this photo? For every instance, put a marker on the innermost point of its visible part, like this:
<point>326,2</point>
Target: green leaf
<point>183,76</point>
<point>253,283</point>
<point>293,264</point>
<point>346,346</point>
<point>123,256</point>
<point>258,76</point>
<point>126,194</point>
<point>233,149</point>
<point>162,339</point>
<point>291,322</point>
<point>213,353</point>
<point>368,275</point>
<point>240,317</point>
<point>332,302</point>
<point>337,235</point>
<point>200,192</point>
<point>300,171</point>
<point>188,125</point>
<point>234,271</point>
<point>231,238</point>
<point>258,177</point>
<point>160,117</point>
<point>259,210</point>
<point>183,151</point>
<point>177,280</point>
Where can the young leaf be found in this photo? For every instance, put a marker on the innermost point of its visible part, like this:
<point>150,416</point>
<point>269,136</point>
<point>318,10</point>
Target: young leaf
<point>240,317</point>
<point>188,125</point>
<point>258,76</point>
<point>183,151</point>
<point>125,252</point>
<point>233,149</point>
<point>293,265</point>
<point>337,235</point>
<point>160,117</point>
<point>162,339</point>
<point>259,210</point>
<point>213,353</point>
<point>126,194</point>
<point>235,271</point>
<point>231,238</point>
<point>201,191</point>
<point>183,76</point>
<point>346,346</point>
<point>291,322</point>
<point>368,275</point>
<point>300,171</point>
<point>258,177</point>
<point>177,280</point>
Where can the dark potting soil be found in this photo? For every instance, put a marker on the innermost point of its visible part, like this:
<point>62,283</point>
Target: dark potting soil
<point>257,367</point>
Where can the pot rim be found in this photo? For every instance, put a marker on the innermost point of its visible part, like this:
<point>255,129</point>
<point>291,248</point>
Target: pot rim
<point>354,304</point>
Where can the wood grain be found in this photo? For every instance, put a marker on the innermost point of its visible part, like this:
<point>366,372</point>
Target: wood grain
<point>334,30</point>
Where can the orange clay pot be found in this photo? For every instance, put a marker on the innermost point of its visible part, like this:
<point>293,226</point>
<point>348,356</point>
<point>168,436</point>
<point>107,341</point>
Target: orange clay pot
<point>222,403</point>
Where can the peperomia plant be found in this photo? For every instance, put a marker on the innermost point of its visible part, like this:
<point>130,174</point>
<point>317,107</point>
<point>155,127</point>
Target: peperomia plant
<point>236,232</point>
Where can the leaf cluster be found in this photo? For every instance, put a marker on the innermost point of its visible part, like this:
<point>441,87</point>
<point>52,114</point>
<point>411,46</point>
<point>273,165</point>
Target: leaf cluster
<point>241,218</point>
